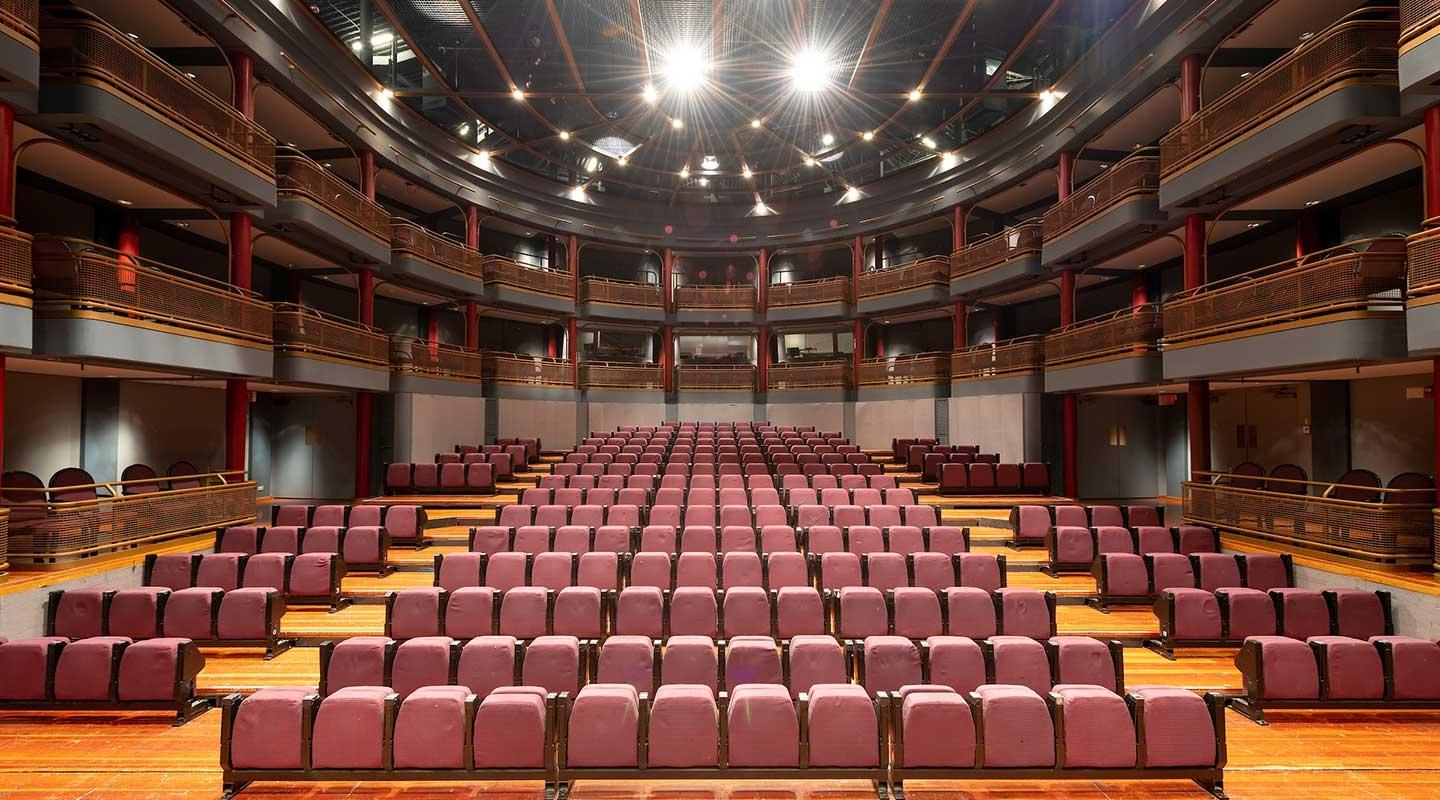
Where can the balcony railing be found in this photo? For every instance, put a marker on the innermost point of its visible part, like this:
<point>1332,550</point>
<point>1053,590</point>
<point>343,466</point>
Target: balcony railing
<point>21,16</point>
<point>45,532</point>
<point>78,47</point>
<point>527,370</point>
<point>306,331</point>
<point>1422,257</point>
<point>830,375</point>
<point>409,239</point>
<point>620,293</point>
<point>615,375</point>
<point>914,369</point>
<point>509,272</point>
<point>1023,356</point>
<point>79,278</point>
<point>932,271</point>
<point>4,539</point>
<point>1395,528</point>
<point>1367,275</point>
<point>1127,332</point>
<point>1360,47</point>
<point>434,360</point>
<point>15,262</point>
<point>717,377</point>
<point>997,249</point>
<point>707,297</point>
<point>809,293</point>
<point>301,178</point>
<point>1417,19</point>
<point>1136,176</point>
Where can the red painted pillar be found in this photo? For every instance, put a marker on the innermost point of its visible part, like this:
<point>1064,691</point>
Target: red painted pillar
<point>858,350</point>
<point>1432,161</point>
<point>572,263</point>
<point>763,280</point>
<point>880,343</point>
<point>1307,234</point>
<point>667,269</point>
<point>1197,400</point>
<point>957,228</point>
<point>1139,293</point>
<point>1065,175</point>
<point>857,266</point>
<point>7,161</point>
<point>472,227</point>
<point>552,344</point>
<point>237,391</point>
<point>432,326</point>
<point>962,325</point>
<point>1190,68</point>
<point>572,344</point>
<point>367,173</point>
<point>365,292</point>
<point>667,353</point>
<point>128,242</point>
<point>1070,402</point>
<point>762,357</point>
<point>472,325</point>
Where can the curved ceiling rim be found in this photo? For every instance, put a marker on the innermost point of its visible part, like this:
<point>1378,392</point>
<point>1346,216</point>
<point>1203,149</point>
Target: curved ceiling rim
<point>266,29</point>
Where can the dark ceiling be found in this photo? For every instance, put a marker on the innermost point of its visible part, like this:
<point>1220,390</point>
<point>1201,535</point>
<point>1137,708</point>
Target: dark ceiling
<point>584,65</point>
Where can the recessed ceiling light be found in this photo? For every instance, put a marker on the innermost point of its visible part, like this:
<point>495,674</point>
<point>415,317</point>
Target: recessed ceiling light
<point>746,171</point>
<point>387,93</point>
<point>685,68</point>
<point>809,162</point>
<point>868,135</point>
<point>517,93</point>
<point>948,158</point>
<point>564,136</point>
<point>761,208</point>
<point>622,161</point>
<point>136,37</point>
<point>704,181</point>
<point>810,70</point>
<point>677,123</point>
<point>649,93</point>
<point>684,172</point>
<point>1306,35</point>
<point>591,164</point>
<point>1246,74</point>
<point>126,202</point>
<point>190,75</point>
<point>578,193</point>
<point>1309,203</point>
<point>327,165</point>
<point>1253,225</point>
<point>754,123</point>
<point>928,142</point>
<point>182,224</point>
<point>709,163</point>
<point>852,194</point>
<point>915,95</point>
<point>485,157</point>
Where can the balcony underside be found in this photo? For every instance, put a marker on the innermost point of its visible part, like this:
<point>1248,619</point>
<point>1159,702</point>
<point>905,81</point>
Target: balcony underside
<point>100,337</point>
<point>1289,144</point>
<point>597,309</point>
<point>409,269</point>
<point>1334,341</point>
<point>19,66</point>
<point>743,316</point>
<point>1016,271</point>
<point>509,295</point>
<point>1025,383</point>
<point>905,298</point>
<point>409,383</point>
<point>836,310</point>
<point>1420,65</point>
<point>319,230</point>
<point>1422,326</point>
<point>1106,234</point>
<point>325,372</point>
<point>144,141</point>
<point>17,328</point>
<point>518,391</point>
<point>1113,373</point>
<point>902,391</point>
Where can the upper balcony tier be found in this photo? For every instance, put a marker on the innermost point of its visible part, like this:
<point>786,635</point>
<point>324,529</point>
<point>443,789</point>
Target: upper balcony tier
<point>1422,293</point>
<point>715,377</point>
<point>621,377</point>
<point>106,93</point>
<point>1108,215</point>
<point>827,376</point>
<point>523,370</point>
<point>93,302</point>
<point>319,349</point>
<point>715,303</point>
<point>509,281</point>
<point>1420,46</point>
<point>1008,257</point>
<point>1012,366</point>
<point>608,297</point>
<point>917,283</point>
<point>323,213</point>
<point>1331,95</point>
<point>20,44</point>
<point>423,256</point>
<point>16,293</point>
<point>1337,307</point>
<point>908,371</point>
<point>1112,351</point>
<point>820,298</point>
<point>426,367</point>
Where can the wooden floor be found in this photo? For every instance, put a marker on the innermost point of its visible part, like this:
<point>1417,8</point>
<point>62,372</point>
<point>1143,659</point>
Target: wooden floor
<point>1310,755</point>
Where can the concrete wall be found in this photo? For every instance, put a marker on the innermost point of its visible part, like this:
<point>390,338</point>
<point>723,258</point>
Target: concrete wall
<point>161,424</point>
<point>824,416</point>
<point>43,430</point>
<point>879,421</point>
<point>1392,425</point>
<point>426,424</point>
<point>312,445</point>
<point>1280,415</point>
<point>1118,456</point>
<point>1008,424</point>
<point>610,416</point>
<point>716,412</point>
<point>552,421</point>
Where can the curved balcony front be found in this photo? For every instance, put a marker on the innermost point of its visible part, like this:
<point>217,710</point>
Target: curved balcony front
<point>716,304</point>
<point>917,283</point>
<point>821,298</point>
<point>1422,292</point>
<point>420,255</point>
<point>510,282</point>
<point>92,302</point>
<point>1107,216</point>
<point>318,349</point>
<point>107,94</point>
<point>715,378</point>
<point>1010,257</point>
<point>16,293</point>
<point>617,299</point>
<point>913,376</point>
<point>319,211</point>
<point>614,376</point>
<point>20,45</point>
<point>1108,352</point>
<point>425,367</point>
<point>1420,46</point>
<point>1013,366</point>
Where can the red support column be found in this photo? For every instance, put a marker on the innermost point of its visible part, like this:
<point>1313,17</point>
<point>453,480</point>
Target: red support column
<point>432,326</point>
<point>572,344</point>
<point>552,342</point>
<point>880,343</point>
<point>857,266</point>
<point>1432,161</point>
<point>1070,429</point>
<point>237,391</point>
<point>667,269</point>
<point>472,227</point>
<point>1065,175</point>
<point>367,173</point>
<point>858,350</point>
<point>472,325</point>
<point>7,161</point>
<point>365,291</point>
<point>762,281</point>
<point>957,228</point>
<point>1139,292</point>
<point>1190,86</point>
<point>1307,234</point>
<point>667,355</point>
<point>762,357</point>
<point>962,325</point>
<point>572,262</point>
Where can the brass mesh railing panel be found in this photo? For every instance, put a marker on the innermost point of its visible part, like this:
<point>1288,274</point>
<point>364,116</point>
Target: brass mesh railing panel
<point>1435,538</point>
<point>804,293</point>
<point>913,370</point>
<point>1003,247</point>
<point>15,262</point>
<point>639,377</point>
<point>529,370</point>
<point>1351,48</point>
<point>835,375</point>
<point>715,297</point>
<point>1344,281</point>
<point>710,376</point>
<point>1422,268</point>
<point>407,238</point>
<point>1384,532</point>
<point>434,360</point>
<point>932,271</point>
<point>1417,17</point>
<point>1136,175</point>
<point>72,276</point>
<point>80,48</point>
<point>620,293</point>
<point>4,539</point>
<point>304,331</point>
<point>22,16</point>
<point>509,272</point>
<point>1129,331</point>
<point>299,176</point>
<point>43,532</point>
<point>1013,357</point>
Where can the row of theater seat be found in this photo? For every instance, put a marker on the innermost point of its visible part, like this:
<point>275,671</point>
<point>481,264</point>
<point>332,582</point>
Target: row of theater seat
<point>590,613</point>
<point>73,484</point>
<point>305,579</point>
<point>665,570</point>
<point>703,496</point>
<point>565,663</point>
<point>403,523</point>
<point>623,538</point>
<point>359,548</point>
<point>243,617</point>
<point>101,673</point>
<point>593,515</point>
<point>1031,524</point>
<point>425,477</point>
<point>986,478</point>
<point>930,461</point>
<point>1337,672</point>
<point>561,479</point>
<point>1229,615</point>
<point>502,464</point>
<point>1076,549</point>
<point>531,452</point>
<point>749,470</point>
<point>1125,578</point>
<point>610,731</point>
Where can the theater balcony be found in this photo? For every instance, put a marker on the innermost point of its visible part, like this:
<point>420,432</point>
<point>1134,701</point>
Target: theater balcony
<point>1361,523</point>
<point>621,377</point>
<point>1108,352</point>
<point>917,283</point>
<point>511,282</point>
<point>698,303</point>
<point>422,256</point>
<point>1013,366</point>
<point>1420,46</point>
<point>106,93</point>
<point>802,377</point>
<point>715,377</point>
<point>319,349</point>
<point>20,44</point>
<point>810,283</point>
<point>425,367</point>
<point>1108,215</point>
<point>515,369</point>
<point>1006,258</point>
<point>16,293</point>
<point>893,375</point>
<point>92,302</point>
<point>611,297</point>
<point>820,298</point>
<point>1328,96</point>
<point>1337,307</point>
<point>1422,293</point>
<point>322,212</point>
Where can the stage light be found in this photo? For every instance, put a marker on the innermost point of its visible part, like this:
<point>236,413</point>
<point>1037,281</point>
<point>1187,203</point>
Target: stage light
<point>685,68</point>
<point>810,71</point>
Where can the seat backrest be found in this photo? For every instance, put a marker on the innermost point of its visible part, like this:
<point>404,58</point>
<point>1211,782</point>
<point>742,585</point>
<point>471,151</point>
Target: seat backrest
<point>1284,479</point>
<point>70,485</point>
<point>139,472</point>
<point>1357,485</point>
